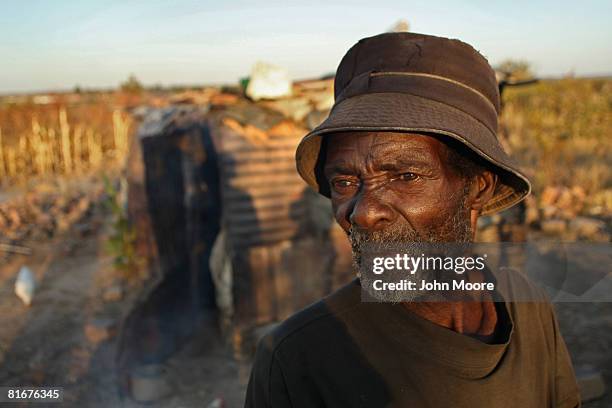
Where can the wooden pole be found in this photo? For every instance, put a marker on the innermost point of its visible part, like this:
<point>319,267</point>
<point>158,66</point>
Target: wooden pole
<point>37,147</point>
<point>2,168</point>
<point>65,133</point>
<point>78,148</point>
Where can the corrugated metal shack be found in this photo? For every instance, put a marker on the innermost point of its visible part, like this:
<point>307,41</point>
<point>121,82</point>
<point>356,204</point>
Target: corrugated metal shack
<point>233,236</point>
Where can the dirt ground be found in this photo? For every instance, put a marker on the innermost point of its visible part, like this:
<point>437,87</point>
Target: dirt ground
<point>205,369</point>
<point>204,374</point>
<point>46,344</point>
<point>587,330</point>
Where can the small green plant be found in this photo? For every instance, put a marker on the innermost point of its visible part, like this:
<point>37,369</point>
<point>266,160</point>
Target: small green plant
<point>122,242</point>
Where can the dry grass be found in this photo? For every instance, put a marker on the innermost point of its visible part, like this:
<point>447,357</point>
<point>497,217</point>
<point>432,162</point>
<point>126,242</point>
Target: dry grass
<point>560,131</point>
<point>60,140</point>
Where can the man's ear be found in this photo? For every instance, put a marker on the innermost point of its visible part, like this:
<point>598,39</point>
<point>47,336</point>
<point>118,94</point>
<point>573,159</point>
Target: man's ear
<point>482,189</point>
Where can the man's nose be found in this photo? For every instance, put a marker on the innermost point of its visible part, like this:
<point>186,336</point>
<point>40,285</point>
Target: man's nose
<point>371,212</point>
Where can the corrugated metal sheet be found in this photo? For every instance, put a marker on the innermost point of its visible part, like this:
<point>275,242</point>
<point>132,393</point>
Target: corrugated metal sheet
<point>262,193</point>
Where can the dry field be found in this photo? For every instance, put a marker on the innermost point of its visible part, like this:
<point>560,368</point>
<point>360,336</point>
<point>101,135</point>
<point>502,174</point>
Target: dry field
<point>561,132</point>
<point>60,135</point>
<point>54,148</point>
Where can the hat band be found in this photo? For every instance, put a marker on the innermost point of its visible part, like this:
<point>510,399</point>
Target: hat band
<point>432,87</point>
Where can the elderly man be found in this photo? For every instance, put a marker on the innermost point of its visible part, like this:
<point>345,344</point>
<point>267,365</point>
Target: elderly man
<point>409,153</point>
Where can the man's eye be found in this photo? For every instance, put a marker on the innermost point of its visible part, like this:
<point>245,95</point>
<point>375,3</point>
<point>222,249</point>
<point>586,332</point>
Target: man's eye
<point>407,177</point>
<point>343,185</point>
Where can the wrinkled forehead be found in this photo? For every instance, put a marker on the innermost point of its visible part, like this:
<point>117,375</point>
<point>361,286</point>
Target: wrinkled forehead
<point>383,146</point>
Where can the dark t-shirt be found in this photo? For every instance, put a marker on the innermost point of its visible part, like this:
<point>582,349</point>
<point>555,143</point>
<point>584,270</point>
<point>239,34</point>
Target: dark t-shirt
<point>340,352</point>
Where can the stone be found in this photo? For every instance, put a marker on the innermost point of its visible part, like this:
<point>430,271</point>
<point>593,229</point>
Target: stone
<point>59,205</point>
<point>44,219</point>
<point>74,213</point>
<point>578,193</point>
<point>554,226</point>
<point>3,221</point>
<point>224,99</point>
<point>586,227</point>
<point>100,329</point>
<point>286,128</point>
<point>148,383</point>
<point>113,293</point>
<point>550,195</point>
<point>294,108</point>
<point>549,211</point>
<point>565,200</point>
<point>62,223</point>
<point>192,97</point>
<point>15,218</point>
<point>601,201</point>
<point>268,81</point>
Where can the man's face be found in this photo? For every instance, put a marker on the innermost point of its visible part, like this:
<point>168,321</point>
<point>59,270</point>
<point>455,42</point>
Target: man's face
<point>396,187</point>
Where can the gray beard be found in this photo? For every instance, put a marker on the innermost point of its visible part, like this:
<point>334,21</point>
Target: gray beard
<point>456,229</point>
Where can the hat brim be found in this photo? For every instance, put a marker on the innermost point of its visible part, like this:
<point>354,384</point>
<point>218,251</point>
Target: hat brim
<point>402,112</point>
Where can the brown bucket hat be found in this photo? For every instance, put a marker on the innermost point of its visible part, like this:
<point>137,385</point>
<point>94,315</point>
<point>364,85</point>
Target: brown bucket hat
<point>408,82</point>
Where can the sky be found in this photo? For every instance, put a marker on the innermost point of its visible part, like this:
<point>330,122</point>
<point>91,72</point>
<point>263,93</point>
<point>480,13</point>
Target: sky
<point>56,45</point>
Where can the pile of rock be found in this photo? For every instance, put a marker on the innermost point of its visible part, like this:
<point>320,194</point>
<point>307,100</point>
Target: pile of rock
<point>42,213</point>
<point>562,202</point>
<point>564,212</point>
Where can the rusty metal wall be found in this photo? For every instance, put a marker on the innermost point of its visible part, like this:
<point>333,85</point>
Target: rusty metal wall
<point>234,169</point>
<point>261,192</point>
<point>278,232</point>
